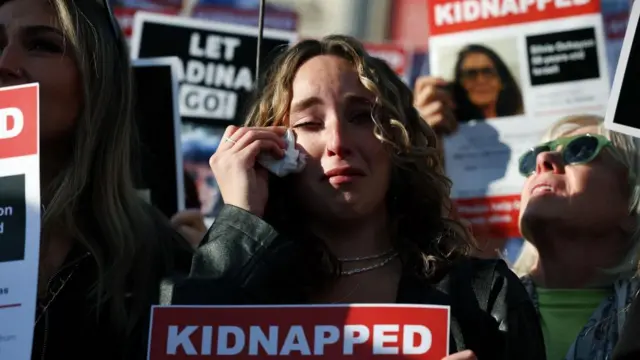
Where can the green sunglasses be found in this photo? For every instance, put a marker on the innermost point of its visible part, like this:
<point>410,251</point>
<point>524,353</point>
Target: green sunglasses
<point>579,149</point>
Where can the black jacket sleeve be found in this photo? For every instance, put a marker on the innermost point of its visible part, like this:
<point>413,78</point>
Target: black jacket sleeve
<point>524,338</point>
<point>234,264</point>
<point>492,313</point>
<point>628,346</point>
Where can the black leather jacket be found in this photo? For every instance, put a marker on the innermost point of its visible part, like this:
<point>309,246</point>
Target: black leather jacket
<point>491,312</point>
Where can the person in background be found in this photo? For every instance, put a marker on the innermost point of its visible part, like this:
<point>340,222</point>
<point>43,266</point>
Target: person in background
<point>103,250</point>
<point>580,211</point>
<point>368,219</point>
<point>483,87</point>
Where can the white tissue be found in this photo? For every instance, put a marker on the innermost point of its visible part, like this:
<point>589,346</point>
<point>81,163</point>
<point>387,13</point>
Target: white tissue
<point>292,162</point>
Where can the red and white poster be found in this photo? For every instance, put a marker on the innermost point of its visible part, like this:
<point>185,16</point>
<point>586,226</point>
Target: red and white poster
<point>300,332</point>
<point>395,55</point>
<point>513,68</point>
<point>19,218</point>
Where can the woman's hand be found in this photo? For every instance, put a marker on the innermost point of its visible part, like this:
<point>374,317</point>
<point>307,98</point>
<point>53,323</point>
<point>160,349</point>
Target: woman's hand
<point>462,355</point>
<point>190,224</point>
<point>435,105</point>
<point>242,182</point>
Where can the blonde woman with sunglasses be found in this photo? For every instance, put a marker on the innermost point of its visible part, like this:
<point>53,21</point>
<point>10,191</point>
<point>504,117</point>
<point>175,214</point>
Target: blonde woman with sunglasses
<point>579,213</point>
<point>103,251</point>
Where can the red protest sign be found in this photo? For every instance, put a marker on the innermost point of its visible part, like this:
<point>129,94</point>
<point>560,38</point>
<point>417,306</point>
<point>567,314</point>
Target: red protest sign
<point>18,121</point>
<point>299,332</point>
<point>394,54</point>
<point>450,16</point>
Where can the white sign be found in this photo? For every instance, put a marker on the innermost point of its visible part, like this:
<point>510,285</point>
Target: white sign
<point>19,218</point>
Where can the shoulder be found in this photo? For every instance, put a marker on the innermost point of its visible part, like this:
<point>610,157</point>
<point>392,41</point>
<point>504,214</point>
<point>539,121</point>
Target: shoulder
<point>490,280</point>
<point>167,245</point>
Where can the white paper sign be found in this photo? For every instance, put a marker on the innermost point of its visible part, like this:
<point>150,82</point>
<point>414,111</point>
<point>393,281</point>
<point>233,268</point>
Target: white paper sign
<point>19,218</point>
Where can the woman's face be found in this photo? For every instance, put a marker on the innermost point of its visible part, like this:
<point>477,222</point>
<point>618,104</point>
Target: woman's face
<point>34,50</point>
<point>348,170</point>
<point>592,196</point>
<point>480,79</point>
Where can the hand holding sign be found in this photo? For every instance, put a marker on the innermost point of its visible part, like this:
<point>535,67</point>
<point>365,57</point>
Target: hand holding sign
<point>241,182</point>
<point>435,105</point>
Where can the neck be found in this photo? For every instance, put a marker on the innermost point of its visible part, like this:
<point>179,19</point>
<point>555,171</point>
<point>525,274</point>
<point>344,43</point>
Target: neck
<point>575,259</point>
<point>354,238</point>
<point>490,111</point>
<point>360,238</point>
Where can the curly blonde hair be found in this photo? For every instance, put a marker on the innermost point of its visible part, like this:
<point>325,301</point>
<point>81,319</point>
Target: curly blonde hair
<point>418,198</point>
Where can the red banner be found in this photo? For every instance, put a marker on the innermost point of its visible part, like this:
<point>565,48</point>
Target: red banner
<point>297,332</point>
<point>493,217</point>
<point>451,16</point>
<point>19,121</point>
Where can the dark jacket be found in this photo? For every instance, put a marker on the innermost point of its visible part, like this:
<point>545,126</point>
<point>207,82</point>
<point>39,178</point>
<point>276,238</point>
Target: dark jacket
<point>72,328</point>
<point>628,346</point>
<point>491,312</point>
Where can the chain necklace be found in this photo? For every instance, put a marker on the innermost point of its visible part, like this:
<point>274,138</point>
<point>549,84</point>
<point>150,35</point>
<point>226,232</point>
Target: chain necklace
<point>382,263</point>
<point>53,293</point>
<point>368,257</point>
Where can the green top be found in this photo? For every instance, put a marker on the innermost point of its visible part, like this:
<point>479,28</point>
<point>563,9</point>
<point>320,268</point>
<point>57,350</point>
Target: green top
<point>563,314</point>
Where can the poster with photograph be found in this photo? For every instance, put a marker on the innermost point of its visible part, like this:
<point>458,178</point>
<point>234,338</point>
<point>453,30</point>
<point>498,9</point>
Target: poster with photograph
<point>218,62</point>
<point>198,144</point>
<point>622,110</point>
<point>512,70</point>
<point>160,175</point>
<point>19,218</point>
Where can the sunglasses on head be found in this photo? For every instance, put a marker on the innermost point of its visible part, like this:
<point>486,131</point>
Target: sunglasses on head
<point>474,73</point>
<point>579,149</point>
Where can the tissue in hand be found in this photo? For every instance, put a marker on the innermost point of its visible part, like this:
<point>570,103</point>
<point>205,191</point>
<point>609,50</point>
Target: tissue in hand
<point>292,162</point>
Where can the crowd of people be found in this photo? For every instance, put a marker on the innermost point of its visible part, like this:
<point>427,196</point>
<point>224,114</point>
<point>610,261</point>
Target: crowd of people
<point>368,220</point>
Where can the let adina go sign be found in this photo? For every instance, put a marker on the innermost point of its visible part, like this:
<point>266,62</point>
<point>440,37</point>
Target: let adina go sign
<point>300,332</point>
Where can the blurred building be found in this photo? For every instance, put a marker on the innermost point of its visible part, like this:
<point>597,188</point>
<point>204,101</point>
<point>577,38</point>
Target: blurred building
<point>365,19</point>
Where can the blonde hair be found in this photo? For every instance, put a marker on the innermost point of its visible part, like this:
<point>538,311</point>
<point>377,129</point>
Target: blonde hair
<point>94,201</point>
<point>624,149</point>
<point>418,198</point>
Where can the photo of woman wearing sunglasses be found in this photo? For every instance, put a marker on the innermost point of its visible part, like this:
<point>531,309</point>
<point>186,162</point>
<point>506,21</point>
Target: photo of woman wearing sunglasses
<point>483,86</point>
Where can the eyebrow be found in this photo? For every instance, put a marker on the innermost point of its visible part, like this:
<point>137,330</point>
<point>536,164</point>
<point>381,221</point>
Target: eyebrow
<point>32,30</point>
<point>305,104</point>
<point>355,99</point>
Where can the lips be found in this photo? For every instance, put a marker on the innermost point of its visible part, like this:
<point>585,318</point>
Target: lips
<point>344,171</point>
<point>343,175</point>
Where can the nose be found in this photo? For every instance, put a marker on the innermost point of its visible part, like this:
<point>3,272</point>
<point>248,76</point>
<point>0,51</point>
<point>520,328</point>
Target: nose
<point>549,161</point>
<point>339,141</point>
<point>11,66</point>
